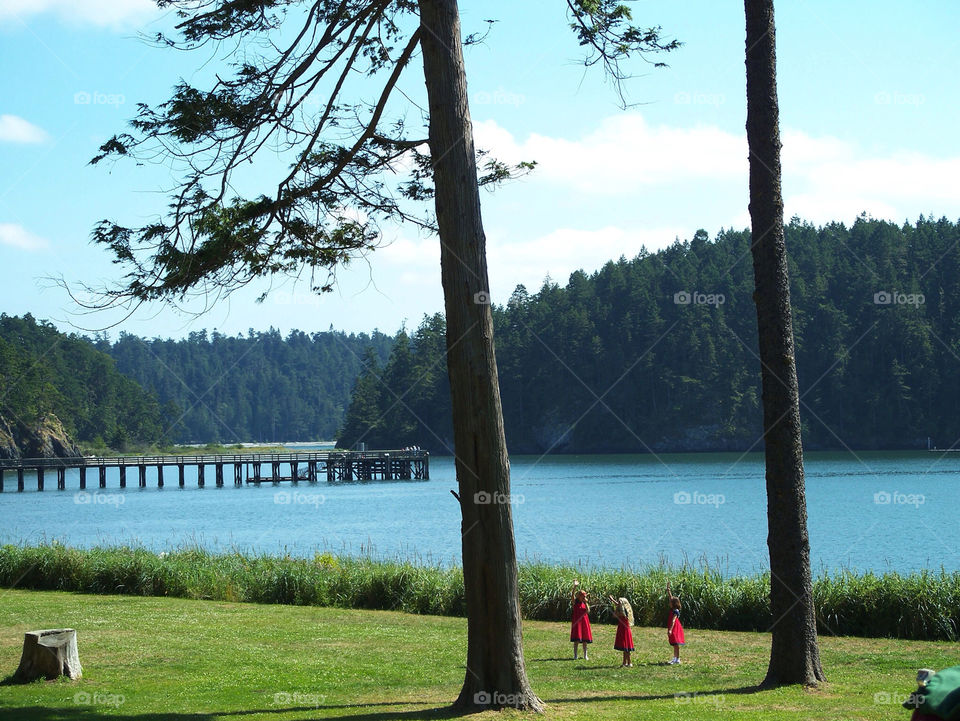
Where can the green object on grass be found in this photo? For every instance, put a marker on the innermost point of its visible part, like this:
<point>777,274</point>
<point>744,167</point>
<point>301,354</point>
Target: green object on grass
<point>941,695</point>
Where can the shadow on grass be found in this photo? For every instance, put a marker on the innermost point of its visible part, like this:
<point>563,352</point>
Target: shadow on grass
<point>88,713</point>
<point>362,711</point>
<point>658,697</point>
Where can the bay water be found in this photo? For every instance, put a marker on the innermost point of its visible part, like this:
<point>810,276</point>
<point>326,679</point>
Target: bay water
<point>877,511</point>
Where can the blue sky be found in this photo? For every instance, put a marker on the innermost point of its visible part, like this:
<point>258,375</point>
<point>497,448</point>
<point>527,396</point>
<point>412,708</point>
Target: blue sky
<point>869,105</point>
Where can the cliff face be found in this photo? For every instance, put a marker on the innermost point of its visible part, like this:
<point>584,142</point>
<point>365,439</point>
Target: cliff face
<point>8,446</point>
<point>46,439</point>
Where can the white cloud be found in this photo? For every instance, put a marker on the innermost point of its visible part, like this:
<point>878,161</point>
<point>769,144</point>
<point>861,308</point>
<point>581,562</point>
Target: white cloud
<point>415,263</point>
<point>104,13</point>
<point>824,178</point>
<point>17,236</point>
<point>14,129</point>
<point>561,251</point>
<point>627,185</point>
<point>622,154</point>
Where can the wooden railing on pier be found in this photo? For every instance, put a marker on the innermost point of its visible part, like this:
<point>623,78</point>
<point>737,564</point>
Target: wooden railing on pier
<point>309,467</point>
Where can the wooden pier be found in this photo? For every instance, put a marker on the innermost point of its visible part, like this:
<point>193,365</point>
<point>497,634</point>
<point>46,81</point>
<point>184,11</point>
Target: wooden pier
<point>330,466</point>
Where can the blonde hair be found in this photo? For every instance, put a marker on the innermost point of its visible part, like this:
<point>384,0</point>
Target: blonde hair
<point>626,609</point>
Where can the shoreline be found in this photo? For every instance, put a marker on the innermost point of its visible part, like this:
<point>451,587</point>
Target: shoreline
<point>850,604</point>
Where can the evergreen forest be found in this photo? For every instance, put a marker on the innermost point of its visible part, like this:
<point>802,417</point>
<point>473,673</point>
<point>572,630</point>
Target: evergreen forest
<point>258,387</point>
<point>658,353</point>
<point>44,371</point>
<point>654,353</point>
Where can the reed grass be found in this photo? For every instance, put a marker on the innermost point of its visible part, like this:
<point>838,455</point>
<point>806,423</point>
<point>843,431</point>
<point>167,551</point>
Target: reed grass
<point>921,606</point>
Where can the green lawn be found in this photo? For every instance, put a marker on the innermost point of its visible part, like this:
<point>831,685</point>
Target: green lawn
<point>158,658</point>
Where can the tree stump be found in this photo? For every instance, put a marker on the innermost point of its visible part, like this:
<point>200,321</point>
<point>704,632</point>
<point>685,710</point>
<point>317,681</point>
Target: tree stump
<point>51,654</point>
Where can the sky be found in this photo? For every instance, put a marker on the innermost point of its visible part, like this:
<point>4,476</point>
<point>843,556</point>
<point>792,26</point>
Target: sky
<point>868,98</point>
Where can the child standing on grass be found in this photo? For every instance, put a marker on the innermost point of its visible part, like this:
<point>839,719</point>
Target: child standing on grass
<point>580,632</point>
<point>623,612</point>
<point>674,628</point>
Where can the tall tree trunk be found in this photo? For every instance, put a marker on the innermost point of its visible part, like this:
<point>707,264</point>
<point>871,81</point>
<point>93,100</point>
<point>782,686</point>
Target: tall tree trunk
<point>495,675</point>
<point>794,653</point>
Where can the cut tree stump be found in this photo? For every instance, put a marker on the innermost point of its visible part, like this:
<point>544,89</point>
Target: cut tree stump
<point>50,654</point>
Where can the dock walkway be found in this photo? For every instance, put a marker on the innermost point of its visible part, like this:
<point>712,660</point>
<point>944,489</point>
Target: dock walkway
<point>332,466</point>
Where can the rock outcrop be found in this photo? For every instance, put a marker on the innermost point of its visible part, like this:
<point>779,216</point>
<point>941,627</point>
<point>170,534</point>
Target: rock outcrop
<point>50,440</point>
<point>8,444</point>
<point>47,439</point>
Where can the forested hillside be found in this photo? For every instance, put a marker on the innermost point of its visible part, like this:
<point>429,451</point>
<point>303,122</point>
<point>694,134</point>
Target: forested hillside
<point>653,353</point>
<point>44,372</point>
<point>659,352</point>
<point>261,387</point>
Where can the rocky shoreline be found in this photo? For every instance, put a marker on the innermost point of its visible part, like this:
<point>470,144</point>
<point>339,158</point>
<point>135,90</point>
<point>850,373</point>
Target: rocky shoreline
<point>47,438</point>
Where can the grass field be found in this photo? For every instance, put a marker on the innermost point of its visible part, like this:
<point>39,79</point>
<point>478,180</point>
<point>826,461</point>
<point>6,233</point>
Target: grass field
<point>148,659</point>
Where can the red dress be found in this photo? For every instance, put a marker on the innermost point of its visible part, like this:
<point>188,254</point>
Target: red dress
<point>624,640</point>
<point>675,635</point>
<point>580,627</point>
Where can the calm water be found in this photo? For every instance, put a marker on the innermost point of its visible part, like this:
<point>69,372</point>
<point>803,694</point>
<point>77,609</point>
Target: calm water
<point>877,511</point>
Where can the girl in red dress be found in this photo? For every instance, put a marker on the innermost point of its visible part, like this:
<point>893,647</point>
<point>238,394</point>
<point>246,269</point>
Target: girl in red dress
<point>623,612</point>
<point>674,628</point>
<point>580,626</point>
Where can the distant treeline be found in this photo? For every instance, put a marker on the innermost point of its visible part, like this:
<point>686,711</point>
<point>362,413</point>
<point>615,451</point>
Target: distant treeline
<point>258,387</point>
<point>660,352</point>
<point>44,371</point>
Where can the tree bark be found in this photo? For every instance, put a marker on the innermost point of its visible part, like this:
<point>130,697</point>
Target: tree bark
<point>49,654</point>
<point>495,675</point>
<point>794,652</point>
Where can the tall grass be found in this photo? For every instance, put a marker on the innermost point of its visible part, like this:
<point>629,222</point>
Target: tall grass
<point>923,606</point>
